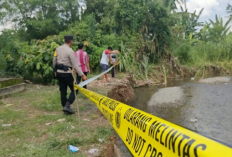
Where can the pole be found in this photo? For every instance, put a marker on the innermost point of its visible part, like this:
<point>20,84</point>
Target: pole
<point>77,106</point>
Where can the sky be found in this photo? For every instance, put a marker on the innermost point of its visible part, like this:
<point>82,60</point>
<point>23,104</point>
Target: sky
<point>211,8</point>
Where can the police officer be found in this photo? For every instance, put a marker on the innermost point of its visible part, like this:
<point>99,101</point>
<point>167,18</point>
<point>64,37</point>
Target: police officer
<point>64,60</point>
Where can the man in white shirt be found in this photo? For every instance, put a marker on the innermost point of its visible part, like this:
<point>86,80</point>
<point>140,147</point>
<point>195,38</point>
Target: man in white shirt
<point>106,55</point>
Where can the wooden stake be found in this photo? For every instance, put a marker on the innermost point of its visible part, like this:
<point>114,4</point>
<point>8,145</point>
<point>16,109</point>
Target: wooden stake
<point>77,105</point>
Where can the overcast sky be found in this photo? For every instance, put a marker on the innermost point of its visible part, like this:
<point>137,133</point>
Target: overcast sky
<point>211,7</point>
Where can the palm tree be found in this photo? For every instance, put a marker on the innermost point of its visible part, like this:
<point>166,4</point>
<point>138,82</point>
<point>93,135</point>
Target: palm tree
<point>182,5</point>
<point>186,23</point>
<point>229,10</point>
<point>173,5</point>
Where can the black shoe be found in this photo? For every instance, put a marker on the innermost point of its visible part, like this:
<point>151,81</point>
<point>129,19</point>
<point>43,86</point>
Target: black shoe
<point>67,113</point>
<point>68,110</point>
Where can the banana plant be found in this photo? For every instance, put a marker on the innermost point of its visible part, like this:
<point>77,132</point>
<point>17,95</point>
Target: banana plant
<point>192,40</point>
<point>218,30</point>
<point>145,65</point>
<point>126,58</point>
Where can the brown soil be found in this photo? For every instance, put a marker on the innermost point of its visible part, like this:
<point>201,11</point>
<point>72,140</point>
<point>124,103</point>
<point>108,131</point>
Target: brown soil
<point>122,92</point>
<point>108,150</point>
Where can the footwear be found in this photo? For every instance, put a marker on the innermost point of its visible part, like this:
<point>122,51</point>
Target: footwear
<point>67,108</point>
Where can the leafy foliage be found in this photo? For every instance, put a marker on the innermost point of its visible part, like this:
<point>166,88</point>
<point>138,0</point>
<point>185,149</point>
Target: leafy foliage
<point>34,61</point>
<point>218,31</point>
<point>145,30</point>
<point>183,53</point>
<point>229,9</point>
<point>37,19</point>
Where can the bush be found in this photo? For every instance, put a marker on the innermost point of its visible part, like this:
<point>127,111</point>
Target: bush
<point>183,53</point>
<point>35,61</point>
<point>2,62</point>
<point>212,52</point>
<point>95,54</point>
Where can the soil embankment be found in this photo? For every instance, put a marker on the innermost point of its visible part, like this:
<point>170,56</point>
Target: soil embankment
<point>122,92</point>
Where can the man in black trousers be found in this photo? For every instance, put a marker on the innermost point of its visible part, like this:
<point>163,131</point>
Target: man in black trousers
<point>64,60</point>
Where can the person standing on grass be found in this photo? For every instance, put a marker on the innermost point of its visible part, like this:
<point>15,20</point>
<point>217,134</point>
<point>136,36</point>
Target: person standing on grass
<point>106,55</point>
<point>83,61</point>
<point>64,60</point>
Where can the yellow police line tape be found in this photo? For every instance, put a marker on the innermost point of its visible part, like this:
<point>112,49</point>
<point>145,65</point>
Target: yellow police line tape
<point>146,135</point>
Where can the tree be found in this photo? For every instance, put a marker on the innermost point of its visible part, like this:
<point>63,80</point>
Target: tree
<point>148,18</point>
<point>37,19</point>
<point>186,23</point>
<point>218,30</point>
<point>229,10</point>
<point>129,15</point>
<point>203,35</point>
<point>175,5</point>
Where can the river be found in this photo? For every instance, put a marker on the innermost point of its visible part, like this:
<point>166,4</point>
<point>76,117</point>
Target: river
<point>207,110</point>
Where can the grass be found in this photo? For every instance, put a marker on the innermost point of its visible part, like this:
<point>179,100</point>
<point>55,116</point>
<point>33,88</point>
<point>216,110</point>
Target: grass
<point>205,55</point>
<point>29,135</point>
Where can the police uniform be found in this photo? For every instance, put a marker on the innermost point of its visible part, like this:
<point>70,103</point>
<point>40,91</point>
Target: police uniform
<point>64,60</point>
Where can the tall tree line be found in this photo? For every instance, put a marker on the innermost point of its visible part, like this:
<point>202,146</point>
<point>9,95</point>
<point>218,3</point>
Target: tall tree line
<point>36,19</point>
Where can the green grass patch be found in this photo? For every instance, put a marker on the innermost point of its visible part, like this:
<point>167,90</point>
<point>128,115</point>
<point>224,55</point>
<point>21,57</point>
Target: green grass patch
<point>103,133</point>
<point>49,149</point>
<point>30,136</point>
<point>9,115</point>
<point>48,102</point>
<point>42,119</point>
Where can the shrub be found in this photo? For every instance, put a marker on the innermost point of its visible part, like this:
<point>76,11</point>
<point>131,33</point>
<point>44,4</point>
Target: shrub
<point>183,53</point>
<point>35,61</point>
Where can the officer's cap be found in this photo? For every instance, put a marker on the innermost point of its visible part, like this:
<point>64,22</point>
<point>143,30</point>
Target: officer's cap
<point>68,37</point>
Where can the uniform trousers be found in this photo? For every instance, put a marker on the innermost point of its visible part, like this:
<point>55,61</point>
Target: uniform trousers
<point>65,81</point>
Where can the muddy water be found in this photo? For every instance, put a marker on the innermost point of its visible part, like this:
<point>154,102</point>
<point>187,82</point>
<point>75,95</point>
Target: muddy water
<point>207,111</point>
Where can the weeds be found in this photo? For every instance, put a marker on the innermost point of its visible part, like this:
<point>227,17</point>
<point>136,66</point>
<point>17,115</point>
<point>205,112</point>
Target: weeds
<point>29,135</point>
<point>206,54</point>
<point>165,74</point>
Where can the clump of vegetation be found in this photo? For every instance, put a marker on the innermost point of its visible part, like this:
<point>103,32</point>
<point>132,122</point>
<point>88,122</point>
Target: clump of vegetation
<point>183,53</point>
<point>159,31</point>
